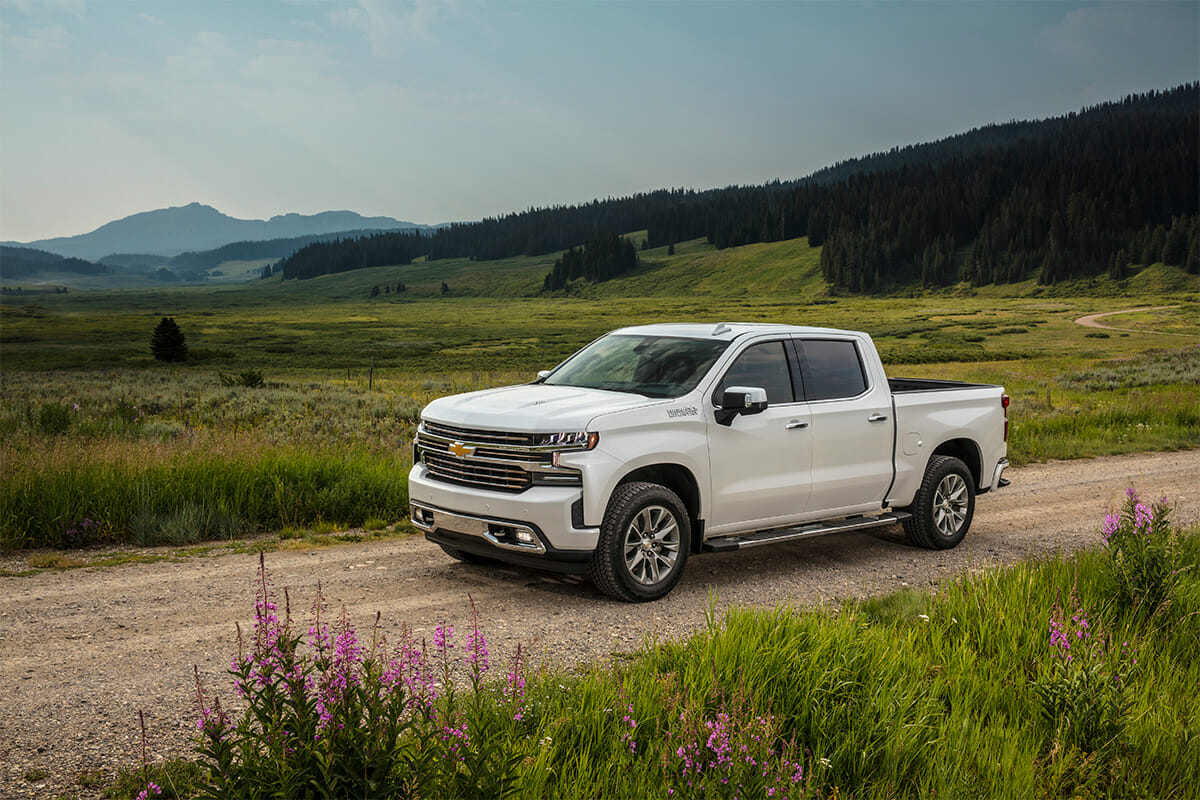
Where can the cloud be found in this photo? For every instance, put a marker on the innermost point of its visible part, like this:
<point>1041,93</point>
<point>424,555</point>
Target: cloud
<point>206,53</point>
<point>387,25</point>
<point>1095,34</point>
<point>77,8</point>
<point>48,44</point>
<point>292,64</point>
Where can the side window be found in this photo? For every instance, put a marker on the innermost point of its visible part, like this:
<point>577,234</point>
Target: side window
<point>832,369</point>
<point>764,365</point>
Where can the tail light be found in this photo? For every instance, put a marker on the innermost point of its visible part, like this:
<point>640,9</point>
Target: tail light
<point>1004,401</point>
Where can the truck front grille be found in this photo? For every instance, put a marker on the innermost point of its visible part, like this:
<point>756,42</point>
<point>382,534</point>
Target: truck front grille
<point>500,461</point>
<point>469,472</point>
<point>477,437</point>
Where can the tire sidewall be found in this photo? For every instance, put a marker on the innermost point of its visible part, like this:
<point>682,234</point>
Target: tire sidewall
<point>610,571</point>
<point>938,472</point>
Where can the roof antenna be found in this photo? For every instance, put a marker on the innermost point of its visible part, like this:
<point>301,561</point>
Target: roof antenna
<point>721,328</point>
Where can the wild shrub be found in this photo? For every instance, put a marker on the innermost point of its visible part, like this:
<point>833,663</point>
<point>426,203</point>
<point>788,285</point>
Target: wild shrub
<point>1083,699</point>
<point>79,533</point>
<point>54,419</point>
<point>1143,566</point>
<point>249,378</point>
<point>186,525</point>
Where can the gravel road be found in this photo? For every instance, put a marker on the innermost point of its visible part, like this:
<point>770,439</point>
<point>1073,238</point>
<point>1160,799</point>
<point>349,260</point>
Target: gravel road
<point>1093,321</point>
<point>82,651</point>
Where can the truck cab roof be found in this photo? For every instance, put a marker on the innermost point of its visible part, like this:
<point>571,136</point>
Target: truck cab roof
<point>723,331</point>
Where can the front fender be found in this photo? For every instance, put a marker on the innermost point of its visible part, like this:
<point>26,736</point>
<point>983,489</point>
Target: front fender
<point>631,448</point>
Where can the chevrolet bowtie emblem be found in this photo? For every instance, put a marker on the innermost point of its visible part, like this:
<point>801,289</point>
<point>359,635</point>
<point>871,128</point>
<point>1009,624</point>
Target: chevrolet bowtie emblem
<point>461,450</point>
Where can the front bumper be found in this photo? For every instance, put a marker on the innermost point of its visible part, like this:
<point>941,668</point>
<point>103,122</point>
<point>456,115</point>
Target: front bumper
<point>543,523</point>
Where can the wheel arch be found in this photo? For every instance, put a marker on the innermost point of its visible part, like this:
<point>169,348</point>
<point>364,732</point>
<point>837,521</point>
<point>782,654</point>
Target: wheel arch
<point>680,480</point>
<point>966,451</point>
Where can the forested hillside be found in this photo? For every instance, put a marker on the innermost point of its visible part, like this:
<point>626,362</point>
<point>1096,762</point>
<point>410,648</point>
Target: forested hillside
<point>258,249</point>
<point>600,259</point>
<point>1068,197</point>
<point>20,261</point>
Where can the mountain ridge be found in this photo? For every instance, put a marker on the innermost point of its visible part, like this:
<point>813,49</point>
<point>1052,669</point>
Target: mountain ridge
<point>197,227</point>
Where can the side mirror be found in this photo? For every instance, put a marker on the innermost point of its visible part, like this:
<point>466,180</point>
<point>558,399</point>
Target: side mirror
<point>741,400</point>
<point>542,375</point>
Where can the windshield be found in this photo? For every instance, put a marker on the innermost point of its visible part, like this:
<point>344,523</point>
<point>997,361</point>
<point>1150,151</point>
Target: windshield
<point>654,366</point>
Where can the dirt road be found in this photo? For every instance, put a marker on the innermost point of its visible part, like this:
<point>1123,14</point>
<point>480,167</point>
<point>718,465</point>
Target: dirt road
<point>81,651</point>
<point>1093,321</point>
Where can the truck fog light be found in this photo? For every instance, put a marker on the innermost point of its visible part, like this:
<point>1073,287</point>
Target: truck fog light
<point>524,536</point>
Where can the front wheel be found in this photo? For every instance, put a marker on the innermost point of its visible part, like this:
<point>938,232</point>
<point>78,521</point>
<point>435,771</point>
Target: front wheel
<point>643,543</point>
<point>944,505</point>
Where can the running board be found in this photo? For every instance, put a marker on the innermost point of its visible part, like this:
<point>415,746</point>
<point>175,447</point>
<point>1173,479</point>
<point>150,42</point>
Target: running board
<point>725,544</point>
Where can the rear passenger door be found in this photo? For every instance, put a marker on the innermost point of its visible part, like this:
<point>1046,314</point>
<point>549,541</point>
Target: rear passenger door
<point>851,428</point>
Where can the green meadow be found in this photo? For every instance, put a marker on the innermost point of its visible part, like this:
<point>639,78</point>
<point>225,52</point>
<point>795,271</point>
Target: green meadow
<point>94,429</point>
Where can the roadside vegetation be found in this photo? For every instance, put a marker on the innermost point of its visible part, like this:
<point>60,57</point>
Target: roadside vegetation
<point>297,401</point>
<point>1054,678</point>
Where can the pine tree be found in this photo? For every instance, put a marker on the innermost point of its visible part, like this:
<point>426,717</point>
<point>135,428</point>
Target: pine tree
<point>167,343</point>
<point>1176,246</point>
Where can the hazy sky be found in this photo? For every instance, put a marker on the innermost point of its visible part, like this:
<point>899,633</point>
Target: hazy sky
<point>438,111</point>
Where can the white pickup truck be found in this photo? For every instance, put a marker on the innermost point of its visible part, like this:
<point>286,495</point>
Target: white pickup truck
<point>659,441</point>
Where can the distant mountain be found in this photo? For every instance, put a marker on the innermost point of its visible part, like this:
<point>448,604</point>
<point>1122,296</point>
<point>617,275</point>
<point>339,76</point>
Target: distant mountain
<point>196,227</point>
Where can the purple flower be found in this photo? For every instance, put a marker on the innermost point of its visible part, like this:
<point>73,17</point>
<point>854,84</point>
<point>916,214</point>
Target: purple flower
<point>1112,523</point>
<point>477,652</point>
<point>151,788</point>
<point>443,640</point>
<point>1142,517</point>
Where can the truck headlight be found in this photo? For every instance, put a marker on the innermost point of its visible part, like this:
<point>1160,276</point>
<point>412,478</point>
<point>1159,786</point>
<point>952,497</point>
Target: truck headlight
<point>573,440</point>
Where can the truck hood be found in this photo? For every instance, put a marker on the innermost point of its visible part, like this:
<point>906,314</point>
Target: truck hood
<point>530,408</point>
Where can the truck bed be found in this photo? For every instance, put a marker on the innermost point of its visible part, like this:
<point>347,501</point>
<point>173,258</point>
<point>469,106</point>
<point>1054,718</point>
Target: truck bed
<point>908,385</point>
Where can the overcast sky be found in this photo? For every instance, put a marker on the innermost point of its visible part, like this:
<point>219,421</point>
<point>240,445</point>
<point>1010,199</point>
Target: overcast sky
<point>440,111</point>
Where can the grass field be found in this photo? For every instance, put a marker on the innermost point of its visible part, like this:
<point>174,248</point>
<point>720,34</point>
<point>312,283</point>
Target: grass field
<point>346,374</point>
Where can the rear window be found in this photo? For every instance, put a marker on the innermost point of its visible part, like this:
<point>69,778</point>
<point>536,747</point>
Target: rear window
<point>832,369</point>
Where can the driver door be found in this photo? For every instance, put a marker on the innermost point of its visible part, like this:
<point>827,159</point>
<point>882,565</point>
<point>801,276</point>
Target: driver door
<point>760,464</point>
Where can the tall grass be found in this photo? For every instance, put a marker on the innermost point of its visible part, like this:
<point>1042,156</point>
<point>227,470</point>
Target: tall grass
<point>125,487</point>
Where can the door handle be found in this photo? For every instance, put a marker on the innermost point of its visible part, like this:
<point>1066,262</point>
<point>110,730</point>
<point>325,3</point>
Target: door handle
<point>877,418</point>
<point>796,424</point>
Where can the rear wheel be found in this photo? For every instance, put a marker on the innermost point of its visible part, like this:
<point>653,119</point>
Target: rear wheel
<point>643,543</point>
<point>944,505</point>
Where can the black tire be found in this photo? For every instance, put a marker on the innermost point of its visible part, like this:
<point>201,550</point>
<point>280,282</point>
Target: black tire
<point>644,543</point>
<point>464,556</point>
<point>944,505</point>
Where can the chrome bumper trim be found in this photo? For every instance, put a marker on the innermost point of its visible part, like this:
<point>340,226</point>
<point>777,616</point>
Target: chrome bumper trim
<point>997,479</point>
<point>428,518</point>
